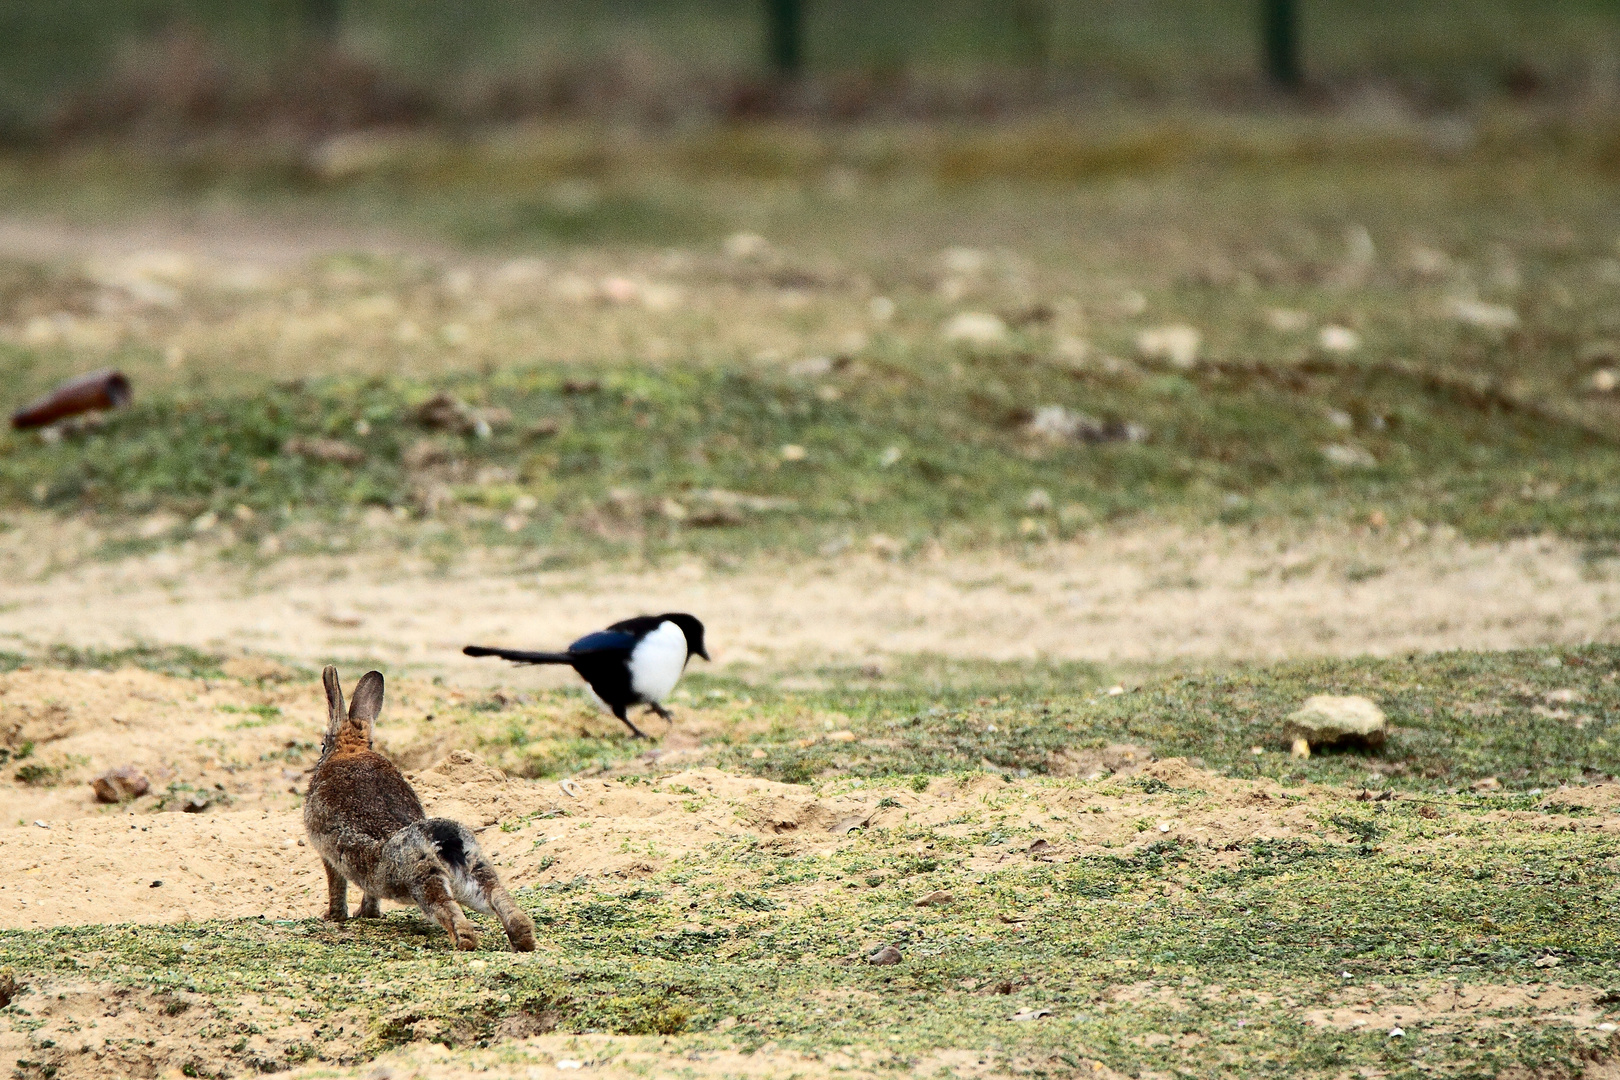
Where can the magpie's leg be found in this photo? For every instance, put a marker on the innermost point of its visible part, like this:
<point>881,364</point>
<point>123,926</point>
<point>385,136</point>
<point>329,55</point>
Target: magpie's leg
<point>663,712</point>
<point>635,732</point>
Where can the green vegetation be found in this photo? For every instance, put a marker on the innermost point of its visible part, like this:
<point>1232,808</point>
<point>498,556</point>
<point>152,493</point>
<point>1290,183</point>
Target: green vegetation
<point>1533,720</point>
<point>659,458</point>
<point>1169,953</point>
<point>181,661</point>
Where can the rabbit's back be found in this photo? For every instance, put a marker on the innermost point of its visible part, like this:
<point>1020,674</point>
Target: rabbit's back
<point>360,795</point>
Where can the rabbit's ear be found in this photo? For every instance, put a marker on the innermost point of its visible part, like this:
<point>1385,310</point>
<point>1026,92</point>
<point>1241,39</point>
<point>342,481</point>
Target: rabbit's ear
<point>334,704</point>
<point>368,702</point>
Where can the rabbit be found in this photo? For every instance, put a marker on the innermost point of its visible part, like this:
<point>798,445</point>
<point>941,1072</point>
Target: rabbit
<point>366,821</point>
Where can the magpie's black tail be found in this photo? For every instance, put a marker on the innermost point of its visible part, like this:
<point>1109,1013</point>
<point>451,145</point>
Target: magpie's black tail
<point>517,656</point>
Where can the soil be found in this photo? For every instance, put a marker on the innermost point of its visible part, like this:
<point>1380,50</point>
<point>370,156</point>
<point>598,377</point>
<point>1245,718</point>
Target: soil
<point>1131,596</point>
<point>67,859</point>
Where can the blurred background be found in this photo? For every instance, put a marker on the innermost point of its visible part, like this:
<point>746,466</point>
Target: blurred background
<point>83,66</point>
<point>815,279</point>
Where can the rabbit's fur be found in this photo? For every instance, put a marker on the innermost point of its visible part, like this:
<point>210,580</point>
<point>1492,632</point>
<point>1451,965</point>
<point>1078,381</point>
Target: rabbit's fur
<point>369,826</point>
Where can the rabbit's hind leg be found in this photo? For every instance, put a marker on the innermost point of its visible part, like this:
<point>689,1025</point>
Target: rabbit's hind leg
<point>369,908</point>
<point>337,894</point>
<point>519,927</point>
<point>433,895</point>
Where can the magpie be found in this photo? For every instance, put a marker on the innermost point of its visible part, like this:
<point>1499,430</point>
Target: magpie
<point>634,662</point>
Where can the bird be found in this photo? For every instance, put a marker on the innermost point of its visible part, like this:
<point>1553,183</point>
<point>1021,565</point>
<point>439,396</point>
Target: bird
<point>634,662</point>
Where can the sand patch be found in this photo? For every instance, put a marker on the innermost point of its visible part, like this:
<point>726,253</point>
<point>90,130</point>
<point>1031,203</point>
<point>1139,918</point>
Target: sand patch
<point>1144,595</point>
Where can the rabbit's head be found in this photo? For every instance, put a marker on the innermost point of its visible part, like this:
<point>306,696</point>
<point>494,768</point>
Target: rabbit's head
<point>351,729</point>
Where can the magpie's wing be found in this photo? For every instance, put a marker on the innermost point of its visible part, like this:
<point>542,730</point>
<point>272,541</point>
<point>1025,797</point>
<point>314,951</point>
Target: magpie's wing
<point>640,626</point>
<point>604,642</point>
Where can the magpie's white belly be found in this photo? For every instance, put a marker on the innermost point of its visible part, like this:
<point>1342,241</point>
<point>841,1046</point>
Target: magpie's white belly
<point>657,661</point>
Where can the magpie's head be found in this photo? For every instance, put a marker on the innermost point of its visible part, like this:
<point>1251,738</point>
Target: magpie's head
<point>692,629</point>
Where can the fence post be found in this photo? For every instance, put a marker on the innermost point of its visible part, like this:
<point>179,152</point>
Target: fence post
<point>1280,42</point>
<point>785,35</point>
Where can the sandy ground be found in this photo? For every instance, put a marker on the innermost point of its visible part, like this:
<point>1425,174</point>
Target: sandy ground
<point>66,859</point>
<point>1141,596</point>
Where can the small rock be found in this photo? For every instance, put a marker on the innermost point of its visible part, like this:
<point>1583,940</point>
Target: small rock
<point>1549,961</point>
<point>1489,783</point>
<point>746,246</point>
<point>197,802</point>
<point>1397,1033</point>
<point>840,736</point>
<point>976,328</point>
<point>1349,456</point>
<point>885,956</point>
<point>1287,320</point>
<point>965,261</point>
<point>158,884</point>
<point>1331,720</point>
<point>937,898</point>
<point>812,367</point>
<point>757,754</point>
<point>1604,381</point>
<point>1338,339</point>
<point>1039,848</point>
<point>1482,315</point>
<point>794,452</point>
<point>1039,502</point>
<point>117,785</point>
<point>1059,424</point>
<point>1177,345</point>
<point>1029,1014</point>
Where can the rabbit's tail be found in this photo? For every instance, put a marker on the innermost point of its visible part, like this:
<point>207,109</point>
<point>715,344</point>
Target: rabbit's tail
<point>517,656</point>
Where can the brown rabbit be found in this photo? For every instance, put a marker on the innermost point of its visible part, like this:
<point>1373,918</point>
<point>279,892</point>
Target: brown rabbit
<point>369,827</point>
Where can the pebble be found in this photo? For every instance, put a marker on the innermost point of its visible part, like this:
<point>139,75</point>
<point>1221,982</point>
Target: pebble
<point>1349,456</point>
<point>116,785</point>
<point>1483,315</point>
<point>1331,719</point>
<point>937,898</point>
<point>885,956</point>
<point>1177,345</point>
<point>976,328</point>
<point>1338,339</point>
<point>1029,1014</point>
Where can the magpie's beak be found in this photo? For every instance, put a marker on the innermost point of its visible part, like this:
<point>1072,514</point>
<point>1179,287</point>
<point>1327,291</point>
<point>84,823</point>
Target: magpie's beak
<point>704,653</point>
